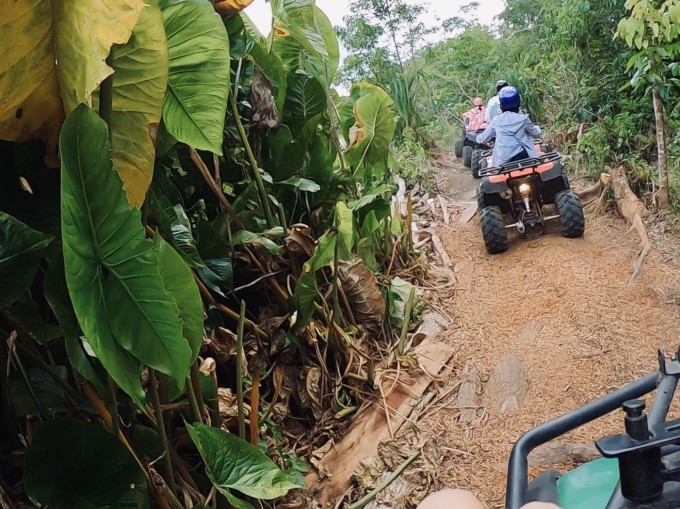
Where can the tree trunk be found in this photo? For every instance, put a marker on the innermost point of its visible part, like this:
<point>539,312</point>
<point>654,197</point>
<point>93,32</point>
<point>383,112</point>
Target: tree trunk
<point>661,149</point>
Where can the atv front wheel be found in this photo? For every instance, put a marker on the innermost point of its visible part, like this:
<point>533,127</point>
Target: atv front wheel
<point>476,162</point>
<point>493,229</point>
<point>458,148</point>
<point>467,156</point>
<point>571,213</point>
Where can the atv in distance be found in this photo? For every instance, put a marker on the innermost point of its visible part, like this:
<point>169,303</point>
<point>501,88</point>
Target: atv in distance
<point>520,190</point>
<point>466,146</point>
<point>639,468</point>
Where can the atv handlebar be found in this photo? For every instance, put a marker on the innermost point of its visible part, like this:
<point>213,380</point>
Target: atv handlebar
<point>518,468</point>
<point>522,164</point>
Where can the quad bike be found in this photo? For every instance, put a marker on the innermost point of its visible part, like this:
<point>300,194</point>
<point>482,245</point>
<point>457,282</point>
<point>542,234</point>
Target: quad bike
<point>520,189</point>
<point>639,468</point>
<point>481,157</point>
<point>467,146</point>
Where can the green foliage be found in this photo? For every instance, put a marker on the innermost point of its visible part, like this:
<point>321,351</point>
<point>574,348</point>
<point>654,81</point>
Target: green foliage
<point>234,464</point>
<point>75,465</point>
<point>198,80</point>
<point>144,270</point>
<point>112,270</point>
<point>21,249</point>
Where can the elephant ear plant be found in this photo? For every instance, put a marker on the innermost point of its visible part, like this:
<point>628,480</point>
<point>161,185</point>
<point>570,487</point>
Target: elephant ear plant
<point>174,210</point>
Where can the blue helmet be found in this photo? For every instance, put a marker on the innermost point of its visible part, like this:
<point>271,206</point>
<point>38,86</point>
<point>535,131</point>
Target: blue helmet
<point>509,97</point>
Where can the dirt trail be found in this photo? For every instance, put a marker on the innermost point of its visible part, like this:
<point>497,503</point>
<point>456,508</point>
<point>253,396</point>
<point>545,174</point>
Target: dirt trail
<point>585,333</point>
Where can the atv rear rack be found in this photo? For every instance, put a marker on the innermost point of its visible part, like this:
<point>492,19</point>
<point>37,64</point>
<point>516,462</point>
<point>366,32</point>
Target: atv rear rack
<point>522,164</point>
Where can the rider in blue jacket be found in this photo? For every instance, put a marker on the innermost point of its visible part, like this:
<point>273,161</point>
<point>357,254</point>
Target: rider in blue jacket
<point>514,131</point>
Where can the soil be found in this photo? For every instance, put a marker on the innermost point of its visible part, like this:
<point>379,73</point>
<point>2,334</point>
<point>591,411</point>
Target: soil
<point>562,308</point>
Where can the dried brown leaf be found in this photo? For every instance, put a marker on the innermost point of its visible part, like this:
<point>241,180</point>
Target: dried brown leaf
<point>300,241</point>
<point>364,295</point>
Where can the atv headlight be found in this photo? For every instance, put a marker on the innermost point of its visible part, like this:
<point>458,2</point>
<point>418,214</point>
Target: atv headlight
<point>524,189</point>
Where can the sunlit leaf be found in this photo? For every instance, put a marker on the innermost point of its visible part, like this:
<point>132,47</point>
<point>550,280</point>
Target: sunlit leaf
<point>139,81</point>
<point>373,130</point>
<point>234,464</point>
<point>198,84</point>
<point>42,34</point>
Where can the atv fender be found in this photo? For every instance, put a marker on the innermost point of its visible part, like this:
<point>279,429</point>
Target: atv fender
<point>555,180</point>
<point>491,193</point>
<point>488,187</point>
<point>556,171</point>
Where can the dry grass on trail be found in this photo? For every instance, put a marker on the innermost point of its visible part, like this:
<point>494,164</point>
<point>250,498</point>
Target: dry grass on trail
<point>596,334</point>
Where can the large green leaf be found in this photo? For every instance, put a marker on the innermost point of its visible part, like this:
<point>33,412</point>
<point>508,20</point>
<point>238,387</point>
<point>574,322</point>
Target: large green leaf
<point>139,81</point>
<point>304,39</point>
<point>297,18</point>
<point>198,87</point>
<point>320,166</point>
<point>71,464</point>
<point>232,463</point>
<point>306,99</point>
<point>179,280</point>
<point>50,394</point>
<point>111,268</point>
<point>26,315</point>
<point>287,154</point>
<point>78,34</point>
<point>325,68</point>
<point>373,130</point>
<point>57,296</point>
<point>21,249</point>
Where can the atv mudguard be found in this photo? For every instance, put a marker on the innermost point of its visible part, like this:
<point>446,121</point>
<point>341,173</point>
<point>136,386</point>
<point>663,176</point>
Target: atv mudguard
<point>491,193</point>
<point>589,486</point>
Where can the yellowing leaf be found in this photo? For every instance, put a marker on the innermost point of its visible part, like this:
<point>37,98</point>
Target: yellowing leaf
<point>139,81</point>
<point>230,7</point>
<point>52,45</point>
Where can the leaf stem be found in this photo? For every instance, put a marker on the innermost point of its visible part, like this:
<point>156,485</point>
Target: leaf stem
<point>115,427</point>
<point>193,403</point>
<point>44,414</point>
<point>49,370</point>
<point>370,496</point>
<point>255,408</point>
<point>153,387</point>
<point>196,385</point>
<point>253,162</point>
<point>239,372</point>
<point>407,320</point>
<point>226,311</point>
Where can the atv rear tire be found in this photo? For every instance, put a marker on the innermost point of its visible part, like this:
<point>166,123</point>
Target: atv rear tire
<point>571,213</point>
<point>467,156</point>
<point>458,148</point>
<point>476,162</point>
<point>493,229</point>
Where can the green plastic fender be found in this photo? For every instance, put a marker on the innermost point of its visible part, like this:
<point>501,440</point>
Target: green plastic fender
<point>589,486</point>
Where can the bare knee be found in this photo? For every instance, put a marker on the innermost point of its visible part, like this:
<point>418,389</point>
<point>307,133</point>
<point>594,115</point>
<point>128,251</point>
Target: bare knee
<point>450,499</point>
